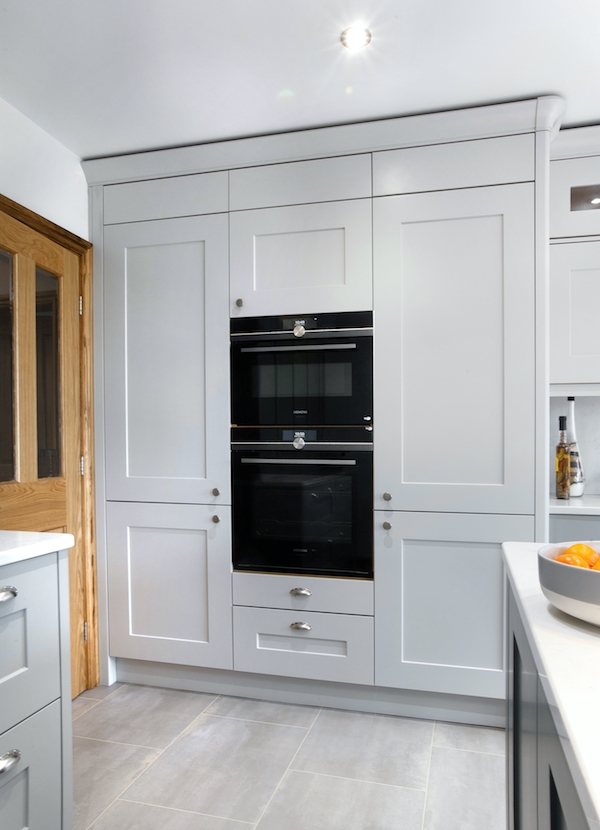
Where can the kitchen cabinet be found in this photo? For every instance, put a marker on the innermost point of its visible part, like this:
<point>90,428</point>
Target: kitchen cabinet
<point>35,683</point>
<point>169,583</point>
<point>439,600</point>
<point>166,361</point>
<point>302,259</point>
<point>454,351</point>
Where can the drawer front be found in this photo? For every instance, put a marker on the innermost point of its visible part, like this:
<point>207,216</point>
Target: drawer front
<point>301,182</point>
<point>30,792</point>
<point>459,164</point>
<point>336,596</point>
<point>336,647</point>
<point>573,184</point>
<point>29,639</point>
<point>166,198</point>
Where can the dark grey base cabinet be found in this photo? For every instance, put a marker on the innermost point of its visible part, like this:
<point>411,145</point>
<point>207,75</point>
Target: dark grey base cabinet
<point>541,791</point>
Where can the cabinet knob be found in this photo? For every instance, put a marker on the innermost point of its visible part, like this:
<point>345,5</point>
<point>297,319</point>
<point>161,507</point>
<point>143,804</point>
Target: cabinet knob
<point>300,592</point>
<point>239,303</point>
<point>7,592</point>
<point>9,760</point>
<point>216,519</point>
<point>387,526</point>
<point>216,491</point>
<point>301,626</point>
<point>387,496</point>
<point>299,331</point>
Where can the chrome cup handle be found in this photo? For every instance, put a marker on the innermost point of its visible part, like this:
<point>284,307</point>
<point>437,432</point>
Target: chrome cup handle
<point>7,592</point>
<point>301,592</point>
<point>9,760</point>
<point>301,626</point>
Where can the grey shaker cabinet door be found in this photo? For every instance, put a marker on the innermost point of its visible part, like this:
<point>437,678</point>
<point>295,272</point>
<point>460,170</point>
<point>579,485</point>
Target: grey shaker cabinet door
<point>29,639</point>
<point>167,360</point>
<point>454,350</point>
<point>169,583</point>
<point>30,792</point>
<point>439,600</point>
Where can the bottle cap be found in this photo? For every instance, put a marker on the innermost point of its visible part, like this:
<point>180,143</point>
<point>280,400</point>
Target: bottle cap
<point>562,422</point>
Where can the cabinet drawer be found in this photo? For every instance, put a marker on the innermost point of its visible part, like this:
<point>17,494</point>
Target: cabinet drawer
<point>166,198</point>
<point>337,596</point>
<point>337,646</point>
<point>30,792</point>
<point>29,639</point>
<point>459,164</point>
<point>573,184</point>
<point>301,182</point>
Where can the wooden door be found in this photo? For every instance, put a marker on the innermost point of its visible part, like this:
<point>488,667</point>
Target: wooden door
<point>43,445</point>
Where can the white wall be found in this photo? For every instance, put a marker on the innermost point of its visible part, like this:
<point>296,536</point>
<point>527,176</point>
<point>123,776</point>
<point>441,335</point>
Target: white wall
<point>40,173</point>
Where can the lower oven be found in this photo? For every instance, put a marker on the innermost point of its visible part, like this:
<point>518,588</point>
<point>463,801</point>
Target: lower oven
<point>305,510</point>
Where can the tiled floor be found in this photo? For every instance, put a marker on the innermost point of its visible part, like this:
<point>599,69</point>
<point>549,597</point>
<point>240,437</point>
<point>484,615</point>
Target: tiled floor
<point>148,758</point>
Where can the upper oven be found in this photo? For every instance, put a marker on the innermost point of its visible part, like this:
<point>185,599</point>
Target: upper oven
<point>310,370</point>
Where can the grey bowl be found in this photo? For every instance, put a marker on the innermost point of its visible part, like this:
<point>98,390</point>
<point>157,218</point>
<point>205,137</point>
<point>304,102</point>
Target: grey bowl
<point>576,591</point>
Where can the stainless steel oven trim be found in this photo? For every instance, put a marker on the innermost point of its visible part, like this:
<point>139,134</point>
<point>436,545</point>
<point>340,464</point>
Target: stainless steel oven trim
<point>310,333</point>
<point>321,446</point>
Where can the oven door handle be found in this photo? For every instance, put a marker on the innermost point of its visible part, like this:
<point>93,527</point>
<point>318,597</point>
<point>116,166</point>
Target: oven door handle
<point>343,462</point>
<point>324,348</point>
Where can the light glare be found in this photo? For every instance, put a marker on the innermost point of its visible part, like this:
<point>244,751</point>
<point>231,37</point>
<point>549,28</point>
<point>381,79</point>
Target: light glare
<point>355,37</point>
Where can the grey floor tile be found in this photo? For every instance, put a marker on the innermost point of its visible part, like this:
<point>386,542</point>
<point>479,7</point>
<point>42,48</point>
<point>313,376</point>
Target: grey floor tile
<point>220,767</point>
<point>101,771</point>
<point>142,715</point>
<point>262,710</point>
<point>466,791</point>
<point>377,748</point>
<point>80,705</point>
<point>476,738</point>
<point>306,801</point>
<point>128,815</point>
<point>101,692</point>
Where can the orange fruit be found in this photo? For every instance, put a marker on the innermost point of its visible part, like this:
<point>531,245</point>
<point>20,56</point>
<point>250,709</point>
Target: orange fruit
<point>586,552</point>
<point>572,559</point>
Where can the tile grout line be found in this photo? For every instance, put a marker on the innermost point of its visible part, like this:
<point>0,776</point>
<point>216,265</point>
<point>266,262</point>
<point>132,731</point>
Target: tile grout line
<point>117,797</point>
<point>266,807</point>
<point>181,810</point>
<point>358,780</point>
<point>428,774</point>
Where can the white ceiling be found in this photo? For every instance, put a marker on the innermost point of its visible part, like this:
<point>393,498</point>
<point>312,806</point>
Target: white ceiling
<point>106,77</point>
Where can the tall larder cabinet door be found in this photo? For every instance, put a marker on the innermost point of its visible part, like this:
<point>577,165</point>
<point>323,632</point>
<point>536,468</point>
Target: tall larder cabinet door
<point>167,360</point>
<point>454,326</point>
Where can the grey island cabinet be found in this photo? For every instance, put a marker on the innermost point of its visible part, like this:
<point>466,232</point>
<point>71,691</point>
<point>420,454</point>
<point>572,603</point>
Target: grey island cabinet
<point>553,722</point>
<point>35,682</point>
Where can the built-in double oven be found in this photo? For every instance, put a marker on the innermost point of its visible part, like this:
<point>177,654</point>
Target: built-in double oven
<point>302,444</point>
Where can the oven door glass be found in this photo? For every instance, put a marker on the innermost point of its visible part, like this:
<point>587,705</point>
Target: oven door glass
<point>303,512</point>
<point>320,381</point>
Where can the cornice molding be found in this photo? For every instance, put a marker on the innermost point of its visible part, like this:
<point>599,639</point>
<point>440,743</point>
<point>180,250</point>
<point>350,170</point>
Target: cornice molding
<point>536,114</point>
<point>576,142</point>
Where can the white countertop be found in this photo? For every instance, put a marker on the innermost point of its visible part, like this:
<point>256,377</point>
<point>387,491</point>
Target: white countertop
<point>567,654</point>
<point>17,545</point>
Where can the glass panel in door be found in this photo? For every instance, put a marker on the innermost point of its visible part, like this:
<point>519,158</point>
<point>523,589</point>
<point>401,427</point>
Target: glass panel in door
<point>7,428</point>
<point>48,374</point>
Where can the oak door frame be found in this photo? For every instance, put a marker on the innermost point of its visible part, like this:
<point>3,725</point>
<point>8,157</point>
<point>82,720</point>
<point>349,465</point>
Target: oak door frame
<point>83,250</point>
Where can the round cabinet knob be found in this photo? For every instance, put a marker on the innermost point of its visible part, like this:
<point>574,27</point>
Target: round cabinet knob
<point>7,592</point>
<point>216,519</point>
<point>216,491</point>
<point>301,626</point>
<point>387,496</point>
<point>299,331</point>
<point>387,526</point>
<point>300,592</point>
<point>298,443</point>
<point>239,303</point>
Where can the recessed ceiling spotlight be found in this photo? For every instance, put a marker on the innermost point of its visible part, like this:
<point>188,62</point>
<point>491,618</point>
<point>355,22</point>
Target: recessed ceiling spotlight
<point>355,37</point>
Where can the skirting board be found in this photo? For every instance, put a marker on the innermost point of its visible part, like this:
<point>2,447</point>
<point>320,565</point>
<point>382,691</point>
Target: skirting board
<point>376,700</point>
